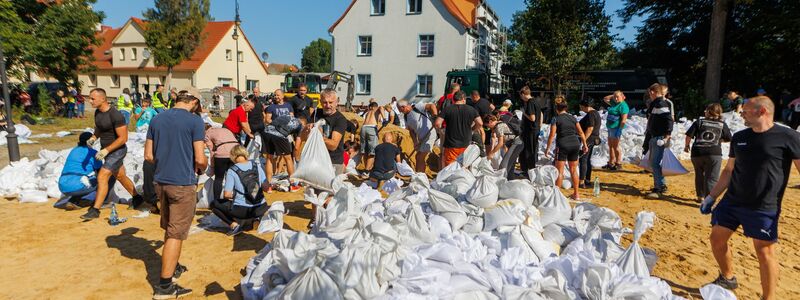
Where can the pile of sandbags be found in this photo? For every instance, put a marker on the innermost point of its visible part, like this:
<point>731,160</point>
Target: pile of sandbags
<point>467,234</point>
<point>23,135</point>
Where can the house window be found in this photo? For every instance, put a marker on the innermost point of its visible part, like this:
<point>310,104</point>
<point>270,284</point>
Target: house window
<point>414,7</point>
<point>121,53</point>
<point>365,45</point>
<point>425,45</point>
<point>228,54</point>
<point>378,7</point>
<point>240,56</point>
<point>364,84</point>
<point>424,85</point>
<point>114,80</point>
<point>133,53</point>
<point>251,84</point>
<point>92,80</point>
<point>224,82</point>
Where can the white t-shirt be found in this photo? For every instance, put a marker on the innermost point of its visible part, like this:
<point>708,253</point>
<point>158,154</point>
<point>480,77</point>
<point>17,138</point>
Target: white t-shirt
<point>419,123</point>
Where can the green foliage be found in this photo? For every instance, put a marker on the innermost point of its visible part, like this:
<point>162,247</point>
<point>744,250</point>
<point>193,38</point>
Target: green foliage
<point>44,102</point>
<point>175,30</point>
<point>554,38</point>
<point>317,56</point>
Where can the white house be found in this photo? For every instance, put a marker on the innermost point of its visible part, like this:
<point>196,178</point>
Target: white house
<point>404,48</point>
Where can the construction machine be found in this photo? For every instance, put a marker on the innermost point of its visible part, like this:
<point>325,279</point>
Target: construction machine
<point>335,79</point>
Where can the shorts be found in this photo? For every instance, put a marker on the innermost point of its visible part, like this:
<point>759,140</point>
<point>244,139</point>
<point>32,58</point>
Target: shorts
<point>568,150</point>
<point>369,139</point>
<point>615,133</point>
<point>426,146</point>
<point>757,224</point>
<point>381,176</point>
<point>277,145</point>
<point>115,159</point>
<point>178,204</point>
<point>451,154</point>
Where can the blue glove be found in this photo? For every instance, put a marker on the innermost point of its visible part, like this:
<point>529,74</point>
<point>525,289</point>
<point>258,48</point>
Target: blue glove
<point>705,206</point>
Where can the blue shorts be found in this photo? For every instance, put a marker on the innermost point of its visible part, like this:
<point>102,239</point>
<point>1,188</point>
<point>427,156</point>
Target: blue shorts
<point>757,224</point>
<point>615,133</point>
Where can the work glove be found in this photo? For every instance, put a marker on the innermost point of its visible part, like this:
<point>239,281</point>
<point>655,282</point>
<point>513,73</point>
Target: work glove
<point>101,154</point>
<point>705,206</point>
<point>91,141</point>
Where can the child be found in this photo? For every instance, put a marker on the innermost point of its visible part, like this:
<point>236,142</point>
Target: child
<point>144,114</point>
<point>243,195</point>
<point>387,155</point>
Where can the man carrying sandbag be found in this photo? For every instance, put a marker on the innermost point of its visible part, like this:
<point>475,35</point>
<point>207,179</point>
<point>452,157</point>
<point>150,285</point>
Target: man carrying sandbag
<point>659,128</point>
<point>755,177</point>
<point>333,130</point>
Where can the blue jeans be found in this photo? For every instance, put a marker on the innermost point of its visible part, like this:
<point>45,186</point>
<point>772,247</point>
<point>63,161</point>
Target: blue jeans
<point>81,109</point>
<point>70,110</point>
<point>656,155</point>
<point>127,115</point>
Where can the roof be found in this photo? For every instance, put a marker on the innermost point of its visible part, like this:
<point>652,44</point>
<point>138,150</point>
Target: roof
<point>214,31</point>
<point>464,11</point>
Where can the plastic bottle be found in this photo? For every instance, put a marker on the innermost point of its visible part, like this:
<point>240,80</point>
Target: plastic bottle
<point>596,190</point>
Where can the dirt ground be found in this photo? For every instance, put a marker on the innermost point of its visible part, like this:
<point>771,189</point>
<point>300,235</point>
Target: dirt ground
<point>52,254</point>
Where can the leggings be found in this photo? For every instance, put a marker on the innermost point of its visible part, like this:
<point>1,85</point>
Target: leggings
<point>221,166</point>
<point>530,150</point>
<point>511,156</point>
<point>148,189</point>
<point>229,213</point>
<point>706,173</point>
<point>586,165</point>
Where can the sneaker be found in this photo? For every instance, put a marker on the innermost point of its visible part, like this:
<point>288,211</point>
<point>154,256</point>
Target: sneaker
<point>608,167</point>
<point>614,167</point>
<point>172,291</point>
<point>294,188</point>
<point>581,185</point>
<point>71,206</point>
<point>730,284</point>
<point>179,270</point>
<point>92,214</point>
<point>236,230</point>
<point>136,202</point>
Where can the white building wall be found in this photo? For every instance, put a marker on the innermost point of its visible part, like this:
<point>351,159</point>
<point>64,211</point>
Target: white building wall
<point>394,64</point>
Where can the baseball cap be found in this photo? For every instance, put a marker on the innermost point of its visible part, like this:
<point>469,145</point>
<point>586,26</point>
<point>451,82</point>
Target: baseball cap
<point>507,102</point>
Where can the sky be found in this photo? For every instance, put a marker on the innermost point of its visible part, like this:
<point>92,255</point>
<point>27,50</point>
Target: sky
<point>282,28</point>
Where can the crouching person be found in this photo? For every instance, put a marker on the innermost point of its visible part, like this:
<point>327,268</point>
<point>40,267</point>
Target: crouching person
<point>387,155</point>
<point>243,196</point>
<point>78,180</point>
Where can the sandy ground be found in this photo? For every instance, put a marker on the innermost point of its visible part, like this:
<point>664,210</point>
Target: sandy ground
<point>52,254</point>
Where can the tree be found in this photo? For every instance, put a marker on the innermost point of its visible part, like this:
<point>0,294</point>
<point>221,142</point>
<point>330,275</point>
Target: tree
<point>553,38</point>
<point>317,57</point>
<point>716,40</point>
<point>175,30</point>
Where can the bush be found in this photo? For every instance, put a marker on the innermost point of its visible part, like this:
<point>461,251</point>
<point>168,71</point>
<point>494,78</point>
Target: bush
<point>44,102</point>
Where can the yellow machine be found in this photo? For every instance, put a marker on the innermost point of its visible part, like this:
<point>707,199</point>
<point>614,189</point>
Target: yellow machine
<point>313,83</point>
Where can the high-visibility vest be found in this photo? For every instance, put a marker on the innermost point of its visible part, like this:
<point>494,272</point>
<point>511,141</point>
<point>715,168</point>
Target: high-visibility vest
<point>121,105</point>
<point>157,100</point>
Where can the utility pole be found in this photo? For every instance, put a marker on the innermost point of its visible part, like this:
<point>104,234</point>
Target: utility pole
<point>236,39</point>
<point>11,138</point>
<point>716,40</point>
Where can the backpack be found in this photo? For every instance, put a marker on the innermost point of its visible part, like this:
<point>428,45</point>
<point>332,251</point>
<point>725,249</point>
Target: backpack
<point>708,133</point>
<point>252,187</point>
<point>513,123</point>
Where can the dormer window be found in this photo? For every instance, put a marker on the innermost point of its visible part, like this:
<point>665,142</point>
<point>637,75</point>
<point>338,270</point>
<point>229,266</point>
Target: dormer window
<point>133,53</point>
<point>121,53</point>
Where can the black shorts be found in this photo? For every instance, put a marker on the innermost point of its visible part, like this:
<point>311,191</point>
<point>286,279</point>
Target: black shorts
<point>277,145</point>
<point>756,224</point>
<point>569,149</point>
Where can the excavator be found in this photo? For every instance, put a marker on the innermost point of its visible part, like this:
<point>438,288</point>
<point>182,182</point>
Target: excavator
<point>336,80</point>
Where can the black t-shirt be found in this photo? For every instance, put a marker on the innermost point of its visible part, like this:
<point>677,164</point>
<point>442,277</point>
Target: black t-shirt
<point>459,119</point>
<point>482,106</point>
<point>301,106</point>
<point>565,126</point>
<point>762,167</point>
<point>708,136</point>
<point>385,155</point>
<point>256,116</point>
<point>531,108</point>
<point>594,120</point>
<point>105,125</point>
<point>338,123</point>
<point>238,99</point>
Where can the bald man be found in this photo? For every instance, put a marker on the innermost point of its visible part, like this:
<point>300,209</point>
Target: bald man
<point>754,181</point>
<point>278,108</point>
<point>387,155</point>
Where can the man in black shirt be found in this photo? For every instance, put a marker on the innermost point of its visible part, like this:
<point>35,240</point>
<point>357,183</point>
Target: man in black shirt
<point>755,178</point>
<point>659,128</point>
<point>302,105</point>
<point>333,130</point>
<point>387,155</point>
<point>459,121</point>
<point>531,123</point>
<point>483,106</point>
<point>590,124</point>
<point>255,117</point>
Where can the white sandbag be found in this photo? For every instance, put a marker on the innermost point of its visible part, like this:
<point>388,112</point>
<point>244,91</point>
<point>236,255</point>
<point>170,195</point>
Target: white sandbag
<point>32,196</point>
<point>469,155</point>
<point>52,190</point>
<point>313,283</point>
<point>404,169</point>
<point>254,148</point>
<point>474,218</point>
<point>315,167</point>
<point>392,185</point>
<point>715,292</point>
<point>633,259</point>
<point>670,165</point>
<point>448,207</point>
<point>560,233</point>
<point>510,212</point>
<point>272,221</point>
<point>205,196</point>
<point>351,167</point>
<point>517,189</point>
<point>554,206</point>
<point>483,193</point>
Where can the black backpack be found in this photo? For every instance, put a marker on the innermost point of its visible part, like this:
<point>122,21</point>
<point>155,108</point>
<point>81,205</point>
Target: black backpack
<point>513,123</point>
<point>252,187</point>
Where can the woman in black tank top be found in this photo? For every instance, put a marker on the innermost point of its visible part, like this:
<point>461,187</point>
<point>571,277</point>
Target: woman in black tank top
<point>570,144</point>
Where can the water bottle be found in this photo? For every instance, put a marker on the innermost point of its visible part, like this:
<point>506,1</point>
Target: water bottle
<point>596,190</point>
<point>113,217</point>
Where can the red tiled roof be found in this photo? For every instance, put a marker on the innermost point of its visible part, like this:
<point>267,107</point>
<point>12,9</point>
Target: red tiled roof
<point>464,11</point>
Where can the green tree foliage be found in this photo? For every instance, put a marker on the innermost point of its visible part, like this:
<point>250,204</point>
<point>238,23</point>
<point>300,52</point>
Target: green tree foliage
<point>175,30</point>
<point>317,56</point>
<point>556,37</point>
<point>762,43</point>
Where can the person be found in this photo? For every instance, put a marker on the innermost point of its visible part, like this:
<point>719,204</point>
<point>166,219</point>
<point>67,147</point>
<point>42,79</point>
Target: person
<point>659,128</point>
<point>238,98</point>
<point>218,100</point>
<point>708,134</point>
<point>483,106</point>
<point>590,124</point>
<point>387,115</point>
<point>333,130</point>
<point>236,121</point>
<point>80,105</point>
<point>175,146</point>
<point>78,178</point>
<point>302,104</point>
<point>69,105</point>
<point>461,120</point>
<point>731,102</point>
<point>754,180</point>
<point>506,107</point>
<point>396,119</point>
<point>369,133</point>
<point>158,100</point>
<point>351,149</point>
<point>387,156</point>
<point>530,126</point>
<point>173,94</point>
<point>507,142</point>
<point>220,142</point>
<point>277,139</point>
<point>616,119</point>
<point>571,143</point>
<point>111,130</point>
<point>419,122</point>
<point>256,116</point>
<point>278,108</point>
<point>144,114</point>
<point>239,208</point>
<point>794,118</point>
<point>125,105</point>
<point>447,100</point>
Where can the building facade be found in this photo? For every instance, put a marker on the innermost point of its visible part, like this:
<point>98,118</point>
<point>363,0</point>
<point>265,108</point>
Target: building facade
<point>404,49</point>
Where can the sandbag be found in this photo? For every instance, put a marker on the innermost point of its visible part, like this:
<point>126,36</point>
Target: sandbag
<point>670,165</point>
<point>313,283</point>
<point>560,233</point>
<point>474,218</point>
<point>633,259</point>
<point>32,196</point>
<point>517,189</point>
<point>272,221</point>
<point>315,167</point>
<point>404,169</point>
<point>392,185</point>
<point>715,292</point>
<point>510,212</point>
<point>483,193</point>
<point>254,148</point>
<point>205,196</point>
<point>469,155</point>
<point>448,207</point>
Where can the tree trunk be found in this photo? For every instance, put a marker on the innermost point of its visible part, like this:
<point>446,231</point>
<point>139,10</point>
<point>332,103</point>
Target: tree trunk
<point>716,40</point>
<point>168,81</point>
